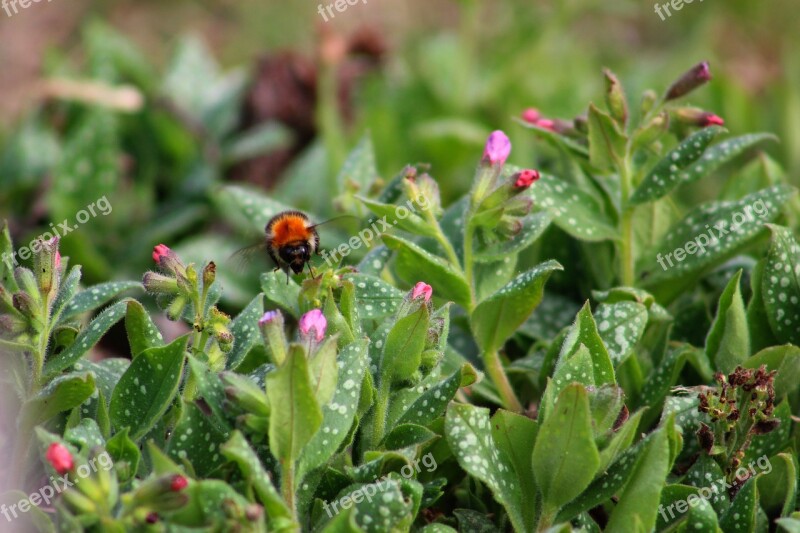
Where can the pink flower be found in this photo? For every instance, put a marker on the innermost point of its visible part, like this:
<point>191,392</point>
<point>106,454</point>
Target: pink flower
<point>314,323</point>
<point>178,483</point>
<point>531,115</point>
<point>546,124</point>
<point>497,149</point>
<point>58,259</point>
<point>422,289</point>
<point>526,178</point>
<point>710,119</point>
<point>59,458</point>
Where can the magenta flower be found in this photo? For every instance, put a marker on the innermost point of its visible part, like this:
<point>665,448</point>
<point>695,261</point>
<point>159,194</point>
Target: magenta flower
<point>526,178</point>
<point>497,149</point>
<point>422,289</point>
<point>313,323</point>
<point>59,458</point>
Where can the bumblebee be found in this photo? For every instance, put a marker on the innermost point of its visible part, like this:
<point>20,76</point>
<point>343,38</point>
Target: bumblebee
<point>291,240</point>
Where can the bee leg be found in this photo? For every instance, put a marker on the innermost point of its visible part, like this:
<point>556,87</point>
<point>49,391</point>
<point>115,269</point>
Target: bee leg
<point>311,269</point>
<point>287,276</point>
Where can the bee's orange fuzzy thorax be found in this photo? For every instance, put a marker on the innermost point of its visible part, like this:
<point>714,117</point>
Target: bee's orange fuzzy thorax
<point>290,228</point>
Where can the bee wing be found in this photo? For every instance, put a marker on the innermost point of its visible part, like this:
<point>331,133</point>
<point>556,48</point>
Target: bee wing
<point>244,256</point>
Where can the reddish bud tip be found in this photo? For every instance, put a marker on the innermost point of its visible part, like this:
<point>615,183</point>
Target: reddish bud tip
<point>497,149</point>
<point>422,289</point>
<point>531,115</point>
<point>710,119</point>
<point>178,483</point>
<point>58,260</point>
<point>160,251</point>
<point>547,124</point>
<point>526,178</point>
<point>152,518</point>
<point>59,458</point>
<point>314,323</point>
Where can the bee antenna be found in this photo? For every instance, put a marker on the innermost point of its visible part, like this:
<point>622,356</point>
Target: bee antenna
<point>333,219</point>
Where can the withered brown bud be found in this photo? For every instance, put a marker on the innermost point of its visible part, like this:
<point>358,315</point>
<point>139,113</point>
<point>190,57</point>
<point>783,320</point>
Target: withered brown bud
<point>706,438</point>
<point>765,426</point>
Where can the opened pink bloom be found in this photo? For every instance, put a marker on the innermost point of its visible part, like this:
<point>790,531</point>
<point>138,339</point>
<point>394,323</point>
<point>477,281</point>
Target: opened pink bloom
<point>59,458</point>
<point>497,149</point>
<point>422,289</point>
<point>314,323</point>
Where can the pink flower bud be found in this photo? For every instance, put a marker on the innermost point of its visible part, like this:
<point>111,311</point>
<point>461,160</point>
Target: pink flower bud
<point>422,289</point>
<point>313,323</point>
<point>531,115</point>
<point>178,483</point>
<point>526,178</point>
<point>547,124</point>
<point>497,149</point>
<point>689,81</point>
<point>59,458</point>
<point>710,119</point>
<point>58,259</point>
<point>161,252</point>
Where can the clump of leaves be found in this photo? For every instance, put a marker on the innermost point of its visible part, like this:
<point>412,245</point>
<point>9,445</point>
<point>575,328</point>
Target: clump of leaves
<point>355,400</point>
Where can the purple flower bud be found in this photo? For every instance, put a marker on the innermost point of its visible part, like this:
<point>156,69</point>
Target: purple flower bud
<point>689,81</point>
<point>498,147</point>
<point>268,317</point>
<point>314,323</point>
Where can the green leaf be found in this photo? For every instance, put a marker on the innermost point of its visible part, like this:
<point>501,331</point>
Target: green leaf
<point>574,210</point>
<point>197,440</point>
<point>565,458</point>
<point>557,140</point>
<point>402,352</point>
<point>664,177</point>
<point>384,505</point>
<point>324,371</point>
<point>741,515</point>
<point>142,332</point>
<point>639,500</point>
<point>401,216</point>
<point>785,360</point>
<point>414,263</point>
<point>515,436</point>
<point>87,338</point>
<point>708,231</point>
<point>238,450</point>
<point>295,414</point>
<point>728,341</point>
<point>97,296</point>
<point>256,141</point>
<point>247,208</point>
<point>533,226</point>
<point>621,441</point>
<point>374,297</point>
<point>65,294</point>
<point>61,394</point>
<point>621,326</point>
<point>584,331</point>
<point>359,169</point>
<point>245,332</point>
<point>375,261</point>
<point>147,387</point>
<point>722,153</point>
<point>781,285</point>
<point>777,487</point>
<point>495,319</point>
<point>279,292</point>
<point>468,432</point>
<point>429,405</point>
<point>125,453</point>
<point>408,435</point>
<point>86,435</point>
<point>761,335</point>
<point>606,142</point>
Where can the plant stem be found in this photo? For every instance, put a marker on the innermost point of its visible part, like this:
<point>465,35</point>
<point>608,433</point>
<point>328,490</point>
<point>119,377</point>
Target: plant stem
<point>379,418</point>
<point>287,485</point>
<point>494,367</point>
<point>627,273</point>
<point>469,234</point>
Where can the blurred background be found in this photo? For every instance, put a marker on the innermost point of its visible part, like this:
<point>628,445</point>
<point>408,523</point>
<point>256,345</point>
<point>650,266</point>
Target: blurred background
<point>155,106</point>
